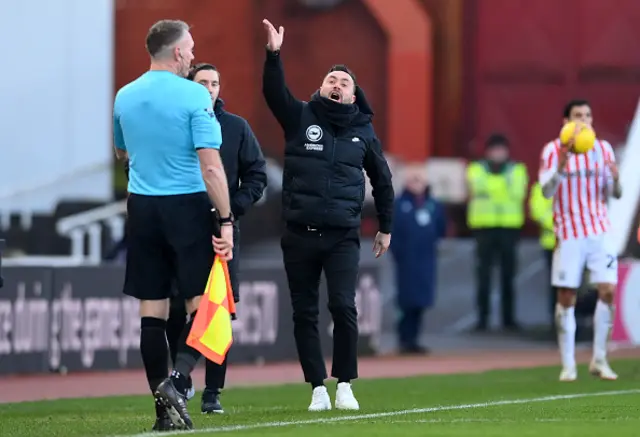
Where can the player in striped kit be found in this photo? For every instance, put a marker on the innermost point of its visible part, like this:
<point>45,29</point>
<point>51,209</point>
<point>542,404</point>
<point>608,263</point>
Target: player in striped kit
<point>581,185</point>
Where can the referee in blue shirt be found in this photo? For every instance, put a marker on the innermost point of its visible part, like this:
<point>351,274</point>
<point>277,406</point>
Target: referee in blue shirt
<point>164,125</point>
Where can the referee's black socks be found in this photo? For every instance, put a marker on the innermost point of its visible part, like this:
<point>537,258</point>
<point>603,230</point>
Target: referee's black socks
<point>175,326</point>
<point>153,347</point>
<point>186,359</point>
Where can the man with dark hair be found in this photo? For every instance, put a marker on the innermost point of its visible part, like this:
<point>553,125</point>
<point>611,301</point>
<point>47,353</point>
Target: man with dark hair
<point>497,189</point>
<point>330,140</point>
<point>165,126</point>
<point>580,185</point>
<point>583,110</point>
<point>343,68</point>
<point>245,167</point>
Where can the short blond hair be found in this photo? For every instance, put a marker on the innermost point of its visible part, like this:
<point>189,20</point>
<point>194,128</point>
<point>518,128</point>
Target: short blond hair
<point>164,34</point>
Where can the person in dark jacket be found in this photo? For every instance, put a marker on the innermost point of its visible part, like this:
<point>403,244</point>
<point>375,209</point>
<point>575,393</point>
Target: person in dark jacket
<point>329,142</point>
<point>419,223</point>
<point>245,168</point>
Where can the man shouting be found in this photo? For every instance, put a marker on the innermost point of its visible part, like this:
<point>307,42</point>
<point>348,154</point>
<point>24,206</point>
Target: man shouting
<point>329,142</point>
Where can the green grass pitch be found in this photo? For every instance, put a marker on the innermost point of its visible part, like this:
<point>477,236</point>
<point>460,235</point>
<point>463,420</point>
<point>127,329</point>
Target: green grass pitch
<point>517,403</point>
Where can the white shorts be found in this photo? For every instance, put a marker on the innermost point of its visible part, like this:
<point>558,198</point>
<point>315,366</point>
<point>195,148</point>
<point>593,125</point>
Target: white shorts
<point>571,257</point>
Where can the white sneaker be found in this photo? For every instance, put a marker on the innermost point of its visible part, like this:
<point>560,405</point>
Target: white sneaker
<point>568,374</point>
<point>320,400</point>
<point>345,400</point>
<point>601,369</point>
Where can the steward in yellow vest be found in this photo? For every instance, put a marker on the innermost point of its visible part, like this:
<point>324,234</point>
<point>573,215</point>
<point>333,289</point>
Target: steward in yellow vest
<point>497,194</point>
<point>541,211</point>
<point>495,213</point>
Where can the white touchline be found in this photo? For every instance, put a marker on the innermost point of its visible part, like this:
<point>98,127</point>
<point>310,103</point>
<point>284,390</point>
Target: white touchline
<point>485,420</point>
<point>356,417</point>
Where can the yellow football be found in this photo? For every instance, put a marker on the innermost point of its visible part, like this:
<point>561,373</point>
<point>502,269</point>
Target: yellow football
<point>583,136</point>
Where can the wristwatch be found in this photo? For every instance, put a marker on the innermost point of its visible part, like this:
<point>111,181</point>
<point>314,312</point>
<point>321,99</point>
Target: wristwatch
<point>226,220</point>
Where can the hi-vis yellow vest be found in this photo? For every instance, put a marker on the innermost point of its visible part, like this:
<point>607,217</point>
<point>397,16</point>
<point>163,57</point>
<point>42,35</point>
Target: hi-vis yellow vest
<point>496,199</point>
<point>541,211</point>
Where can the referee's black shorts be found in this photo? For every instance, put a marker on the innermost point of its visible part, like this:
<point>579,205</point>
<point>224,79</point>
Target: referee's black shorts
<point>169,238</point>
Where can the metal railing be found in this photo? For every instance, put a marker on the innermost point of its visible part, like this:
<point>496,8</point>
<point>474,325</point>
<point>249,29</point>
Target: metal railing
<point>77,227</point>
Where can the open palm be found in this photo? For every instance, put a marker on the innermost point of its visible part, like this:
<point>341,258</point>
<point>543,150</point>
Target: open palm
<point>274,37</point>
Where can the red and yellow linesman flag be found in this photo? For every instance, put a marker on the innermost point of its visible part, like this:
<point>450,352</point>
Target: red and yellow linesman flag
<point>211,330</point>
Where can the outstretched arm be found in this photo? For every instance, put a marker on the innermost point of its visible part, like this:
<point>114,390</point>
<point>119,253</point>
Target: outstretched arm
<point>286,108</point>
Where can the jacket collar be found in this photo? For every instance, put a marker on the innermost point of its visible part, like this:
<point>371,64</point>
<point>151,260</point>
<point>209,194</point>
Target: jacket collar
<point>218,107</point>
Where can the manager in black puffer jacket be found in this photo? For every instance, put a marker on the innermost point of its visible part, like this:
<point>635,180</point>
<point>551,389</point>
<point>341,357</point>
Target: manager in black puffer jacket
<point>329,142</point>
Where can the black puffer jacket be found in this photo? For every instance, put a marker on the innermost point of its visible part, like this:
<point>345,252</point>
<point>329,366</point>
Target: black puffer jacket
<point>328,145</point>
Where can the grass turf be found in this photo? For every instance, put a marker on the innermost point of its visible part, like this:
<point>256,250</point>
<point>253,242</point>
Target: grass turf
<point>252,408</point>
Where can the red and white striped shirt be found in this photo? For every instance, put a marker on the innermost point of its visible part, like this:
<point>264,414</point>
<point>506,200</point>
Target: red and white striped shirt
<point>579,204</point>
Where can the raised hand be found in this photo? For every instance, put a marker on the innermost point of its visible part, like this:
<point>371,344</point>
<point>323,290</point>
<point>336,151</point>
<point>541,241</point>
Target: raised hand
<point>274,37</point>
<point>563,155</point>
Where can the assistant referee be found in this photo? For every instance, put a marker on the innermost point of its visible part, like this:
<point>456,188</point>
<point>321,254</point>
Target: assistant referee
<point>165,126</point>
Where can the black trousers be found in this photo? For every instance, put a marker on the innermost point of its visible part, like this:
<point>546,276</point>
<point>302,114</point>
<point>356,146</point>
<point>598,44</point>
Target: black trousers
<point>548,255</point>
<point>308,252</point>
<point>496,245</point>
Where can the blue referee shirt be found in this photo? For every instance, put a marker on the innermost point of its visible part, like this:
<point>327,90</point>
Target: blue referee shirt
<point>160,119</point>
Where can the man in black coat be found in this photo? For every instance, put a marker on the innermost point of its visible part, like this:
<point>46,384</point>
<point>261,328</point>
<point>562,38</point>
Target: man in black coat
<point>330,140</point>
<point>245,168</point>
